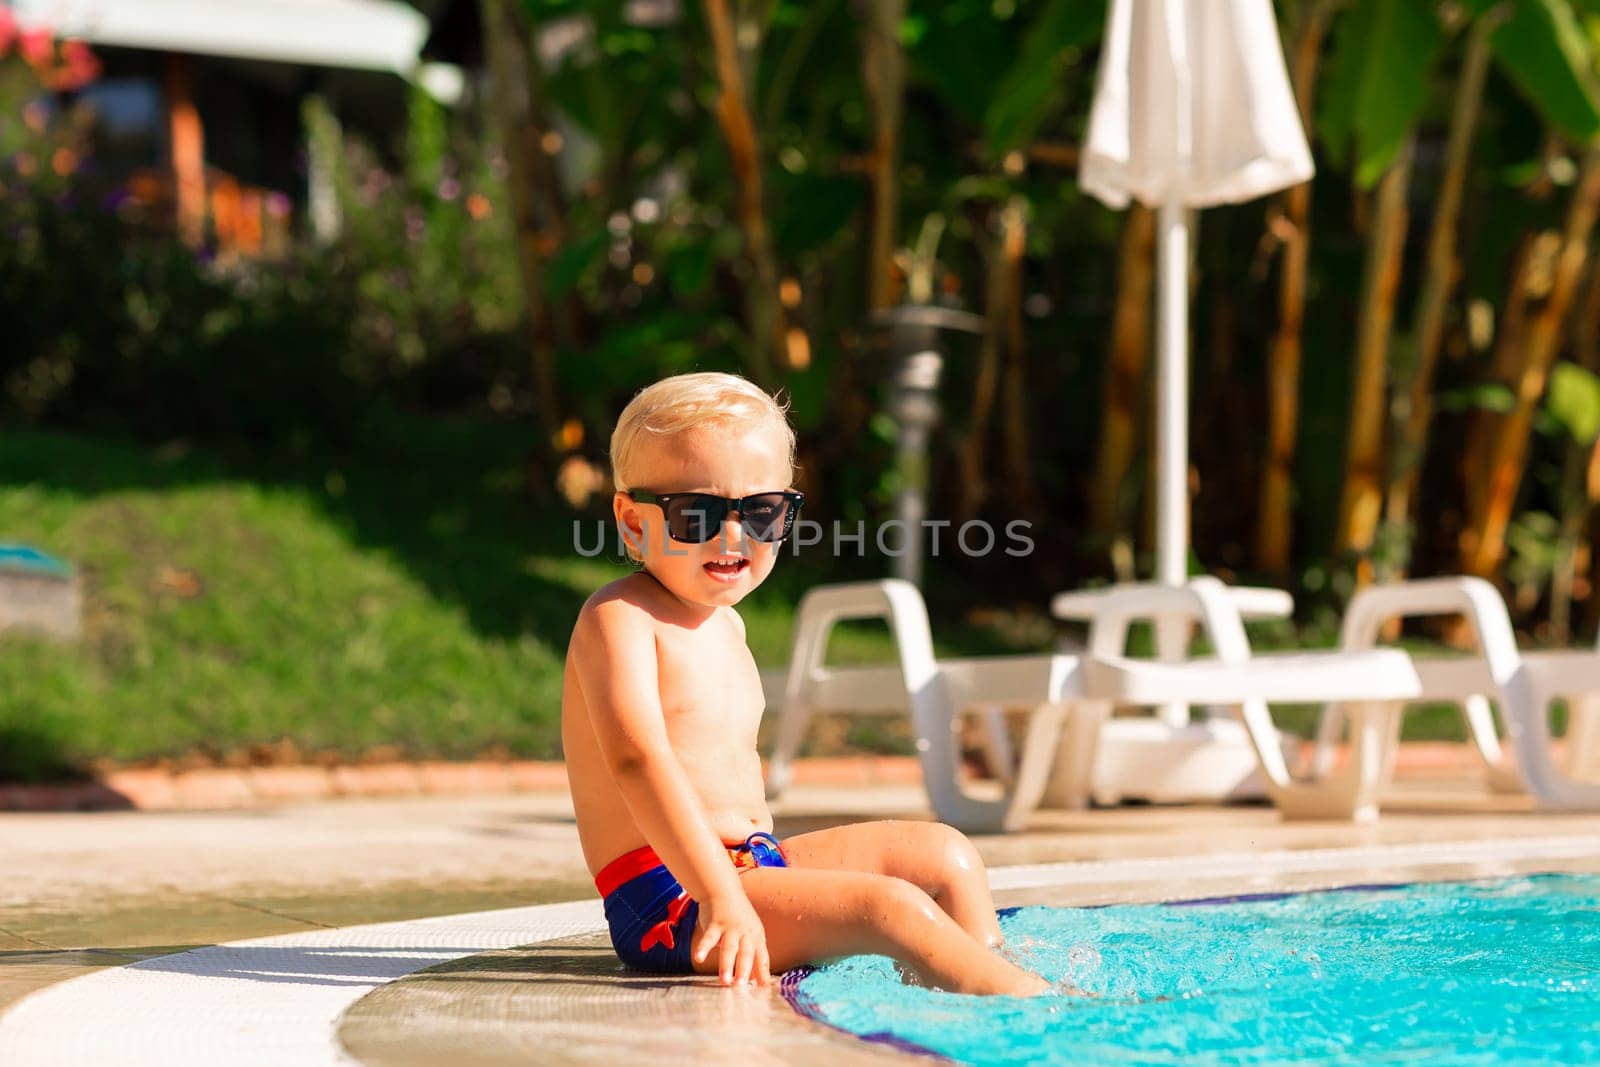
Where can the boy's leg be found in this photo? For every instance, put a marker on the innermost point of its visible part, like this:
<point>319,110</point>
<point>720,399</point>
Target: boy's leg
<point>815,915</point>
<point>936,858</point>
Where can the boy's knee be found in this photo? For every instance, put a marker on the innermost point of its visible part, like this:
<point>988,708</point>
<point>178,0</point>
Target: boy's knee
<point>959,854</point>
<point>911,901</point>
<point>890,899</point>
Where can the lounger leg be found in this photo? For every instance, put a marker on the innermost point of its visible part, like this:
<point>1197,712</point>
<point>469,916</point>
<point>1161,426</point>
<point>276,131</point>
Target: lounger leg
<point>1475,712</point>
<point>1070,781</point>
<point>1173,635</point>
<point>996,740</point>
<point>1583,737</point>
<point>933,718</point>
<point>1039,753</point>
<point>792,723</point>
<point>1257,719</point>
<point>1354,791</point>
<point>1479,717</point>
<point>820,610</point>
<point>1330,730</point>
<point>1528,732</point>
<point>1374,745</point>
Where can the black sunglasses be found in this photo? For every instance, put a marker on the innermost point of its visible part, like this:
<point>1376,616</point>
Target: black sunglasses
<point>695,518</point>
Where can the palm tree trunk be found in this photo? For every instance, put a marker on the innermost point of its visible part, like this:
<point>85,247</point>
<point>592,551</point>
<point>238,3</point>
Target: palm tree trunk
<point>1586,327</point>
<point>1532,274</point>
<point>884,68</point>
<point>1125,373</point>
<point>549,205</point>
<point>514,115</point>
<point>1019,457</point>
<point>1483,542</point>
<point>762,307</point>
<point>1273,530</point>
<point>1527,265</point>
<point>1363,486</point>
<point>1004,266</point>
<point>1575,506</point>
<point>986,387</point>
<point>1438,281</point>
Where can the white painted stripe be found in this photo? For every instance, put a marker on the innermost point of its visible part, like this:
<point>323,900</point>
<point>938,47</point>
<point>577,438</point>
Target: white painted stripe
<point>277,1001</point>
<point>269,1001</point>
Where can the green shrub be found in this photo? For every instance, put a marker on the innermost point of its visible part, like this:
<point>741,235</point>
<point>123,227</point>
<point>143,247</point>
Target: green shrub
<point>112,326</point>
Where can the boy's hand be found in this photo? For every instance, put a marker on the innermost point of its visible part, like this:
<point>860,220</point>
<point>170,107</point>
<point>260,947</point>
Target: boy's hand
<point>732,927</point>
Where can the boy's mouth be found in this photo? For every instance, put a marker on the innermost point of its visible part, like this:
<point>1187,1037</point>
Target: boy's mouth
<point>727,568</point>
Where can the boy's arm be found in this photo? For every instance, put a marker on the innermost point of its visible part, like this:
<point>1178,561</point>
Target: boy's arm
<point>615,652</point>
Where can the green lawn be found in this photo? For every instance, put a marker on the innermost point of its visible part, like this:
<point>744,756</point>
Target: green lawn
<point>410,599</point>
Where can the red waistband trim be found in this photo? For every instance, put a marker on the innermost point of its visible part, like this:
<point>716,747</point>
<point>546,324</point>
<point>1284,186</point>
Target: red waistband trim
<point>625,868</point>
<point>630,865</point>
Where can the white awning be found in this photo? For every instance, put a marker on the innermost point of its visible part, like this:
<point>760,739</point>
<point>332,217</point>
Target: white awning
<point>383,35</point>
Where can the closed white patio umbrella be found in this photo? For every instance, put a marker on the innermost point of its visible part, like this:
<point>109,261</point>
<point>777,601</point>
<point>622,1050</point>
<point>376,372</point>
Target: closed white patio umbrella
<point>1192,107</point>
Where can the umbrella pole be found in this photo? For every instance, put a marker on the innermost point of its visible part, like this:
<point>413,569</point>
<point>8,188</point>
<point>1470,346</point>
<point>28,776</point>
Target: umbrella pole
<point>1172,431</point>
<point>1172,398</point>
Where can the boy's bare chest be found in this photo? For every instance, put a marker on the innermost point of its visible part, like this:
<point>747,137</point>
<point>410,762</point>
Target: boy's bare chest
<point>708,683</point>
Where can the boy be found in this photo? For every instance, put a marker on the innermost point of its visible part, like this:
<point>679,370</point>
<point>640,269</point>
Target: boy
<point>659,709</point>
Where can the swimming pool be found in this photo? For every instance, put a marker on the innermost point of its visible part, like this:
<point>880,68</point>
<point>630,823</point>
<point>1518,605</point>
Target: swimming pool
<point>1503,972</point>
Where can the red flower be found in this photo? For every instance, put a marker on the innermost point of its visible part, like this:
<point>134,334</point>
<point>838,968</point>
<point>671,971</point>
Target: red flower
<point>38,48</point>
<point>81,66</point>
<point>8,30</point>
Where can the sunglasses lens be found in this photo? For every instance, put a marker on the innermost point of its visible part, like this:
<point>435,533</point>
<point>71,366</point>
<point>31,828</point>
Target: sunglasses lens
<point>695,520</point>
<point>768,516</point>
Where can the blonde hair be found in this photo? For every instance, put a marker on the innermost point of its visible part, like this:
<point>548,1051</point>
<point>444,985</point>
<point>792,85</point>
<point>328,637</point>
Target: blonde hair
<point>686,401</point>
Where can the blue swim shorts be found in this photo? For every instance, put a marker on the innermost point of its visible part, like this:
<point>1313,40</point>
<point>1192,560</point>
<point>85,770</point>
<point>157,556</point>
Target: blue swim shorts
<point>651,916</point>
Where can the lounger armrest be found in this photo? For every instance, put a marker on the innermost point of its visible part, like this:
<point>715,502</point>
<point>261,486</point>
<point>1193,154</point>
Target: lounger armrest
<point>1252,602</point>
<point>842,601</point>
<point>1472,598</point>
<point>1204,600</point>
<point>894,600</point>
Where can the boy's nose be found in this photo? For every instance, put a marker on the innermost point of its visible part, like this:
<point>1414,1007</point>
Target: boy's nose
<point>732,534</point>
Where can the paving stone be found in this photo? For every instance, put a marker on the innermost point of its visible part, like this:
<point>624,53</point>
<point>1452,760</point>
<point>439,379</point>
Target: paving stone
<point>145,925</point>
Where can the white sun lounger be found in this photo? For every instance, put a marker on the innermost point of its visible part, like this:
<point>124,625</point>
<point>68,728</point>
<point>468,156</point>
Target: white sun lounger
<point>1522,683</point>
<point>933,692</point>
<point>1070,697</point>
<point>1064,723</point>
<point>1170,757</point>
<point>1368,689</point>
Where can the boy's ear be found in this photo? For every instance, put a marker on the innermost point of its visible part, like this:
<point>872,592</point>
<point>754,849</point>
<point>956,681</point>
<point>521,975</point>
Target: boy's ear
<point>630,523</point>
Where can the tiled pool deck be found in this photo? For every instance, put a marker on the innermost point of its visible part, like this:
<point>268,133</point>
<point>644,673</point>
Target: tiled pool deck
<point>498,979</point>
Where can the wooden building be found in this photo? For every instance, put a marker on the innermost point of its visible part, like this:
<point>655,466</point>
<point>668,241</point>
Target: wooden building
<point>199,102</point>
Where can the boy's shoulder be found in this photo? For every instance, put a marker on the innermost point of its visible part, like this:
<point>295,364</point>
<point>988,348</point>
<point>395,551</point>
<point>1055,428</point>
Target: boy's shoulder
<point>632,596</point>
<point>637,601</point>
<point>618,615</point>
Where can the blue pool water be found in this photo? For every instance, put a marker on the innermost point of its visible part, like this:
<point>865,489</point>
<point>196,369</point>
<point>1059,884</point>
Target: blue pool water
<point>1502,972</point>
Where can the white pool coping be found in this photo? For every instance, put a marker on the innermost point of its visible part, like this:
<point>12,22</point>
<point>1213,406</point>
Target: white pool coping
<point>278,1001</point>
